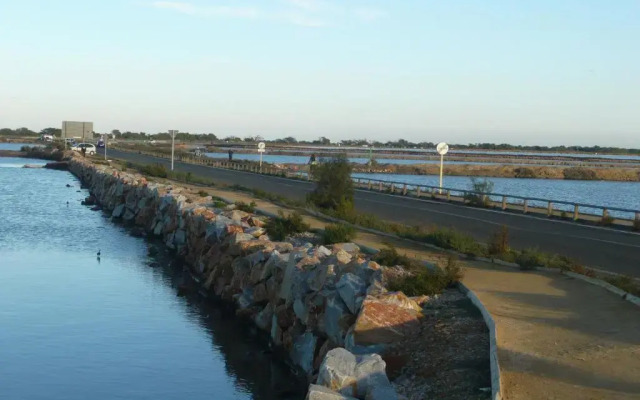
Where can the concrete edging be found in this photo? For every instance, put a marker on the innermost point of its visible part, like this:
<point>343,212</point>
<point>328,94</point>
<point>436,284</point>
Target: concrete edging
<point>496,381</point>
<point>607,286</point>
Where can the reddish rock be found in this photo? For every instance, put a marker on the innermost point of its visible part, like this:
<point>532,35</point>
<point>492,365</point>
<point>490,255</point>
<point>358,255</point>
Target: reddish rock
<point>386,319</point>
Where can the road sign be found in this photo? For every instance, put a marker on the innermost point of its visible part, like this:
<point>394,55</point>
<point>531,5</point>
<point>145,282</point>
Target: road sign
<point>261,146</point>
<point>442,148</point>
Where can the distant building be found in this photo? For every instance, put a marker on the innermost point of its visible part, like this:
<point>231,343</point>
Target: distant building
<point>81,131</point>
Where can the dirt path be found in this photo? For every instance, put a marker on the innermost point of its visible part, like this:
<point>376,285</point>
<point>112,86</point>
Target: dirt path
<point>558,337</point>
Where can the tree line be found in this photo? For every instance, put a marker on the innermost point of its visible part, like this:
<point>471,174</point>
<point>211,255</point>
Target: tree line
<point>324,141</point>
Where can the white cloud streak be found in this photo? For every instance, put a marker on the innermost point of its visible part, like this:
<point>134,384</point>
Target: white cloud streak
<point>308,13</point>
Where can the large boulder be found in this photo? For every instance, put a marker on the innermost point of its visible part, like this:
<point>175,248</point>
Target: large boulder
<point>318,392</point>
<point>118,211</point>
<point>337,319</point>
<point>373,383</point>
<point>304,347</point>
<point>386,319</point>
<point>351,288</point>
<point>337,372</point>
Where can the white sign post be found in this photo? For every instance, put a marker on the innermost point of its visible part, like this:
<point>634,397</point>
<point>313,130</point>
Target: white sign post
<point>106,136</point>
<point>442,149</point>
<point>173,142</point>
<point>261,147</point>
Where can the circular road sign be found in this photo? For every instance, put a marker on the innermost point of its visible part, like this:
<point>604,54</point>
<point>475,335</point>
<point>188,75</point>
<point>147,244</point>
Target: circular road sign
<point>442,148</point>
<point>261,145</point>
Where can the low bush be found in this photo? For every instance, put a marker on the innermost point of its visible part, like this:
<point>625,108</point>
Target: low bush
<point>338,233</point>
<point>606,220</point>
<point>202,193</point>
<point>282,226</point>
<point>422,280</point>
<point>499,242</point>
<point>389,256</point>
<point>482,189</point>
<point>157,170</point>
<point>530,259</point>
<point>579,173</point>
<point>242,206</point>
<point>625,283</point>
<point>524,172</point>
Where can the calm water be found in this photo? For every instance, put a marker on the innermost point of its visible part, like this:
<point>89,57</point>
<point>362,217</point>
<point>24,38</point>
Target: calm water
<point>74,327</point>
<point>284,159</point>
<point>16,146</point>
<point>611,194</point>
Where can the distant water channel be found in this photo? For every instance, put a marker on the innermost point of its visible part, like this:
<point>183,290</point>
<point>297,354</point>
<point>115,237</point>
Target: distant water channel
<point>75,327</point>
<point>603,193</point>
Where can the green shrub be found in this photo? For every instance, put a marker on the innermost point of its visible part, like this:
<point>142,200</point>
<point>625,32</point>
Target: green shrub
<point>242,206</point>
<point>455,240</point>
<point>157,170</point>
<point>625,283</point>
<point>202,193</point>
<point>338,233</point>
<point>282,226</point>
<point>482,189</point>
<point>531,258</point>
<point>579,173</point>
<point>389,256</point>
<point>425,281</point>
<point>334,187</point>
<point>219,204</point>
<point>499,242</point>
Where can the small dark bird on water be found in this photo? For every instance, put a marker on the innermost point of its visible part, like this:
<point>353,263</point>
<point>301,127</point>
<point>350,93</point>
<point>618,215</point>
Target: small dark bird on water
<point>98,253</point>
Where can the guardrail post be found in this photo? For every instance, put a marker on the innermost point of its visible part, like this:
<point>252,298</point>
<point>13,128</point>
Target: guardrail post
<point>404,190</point>
<point>525,206</point>
<point>638,218</point>
<point>418,192</point>
<point>393,187</point>
<point>369,185</point>
<point>605,213</point>
<point>504,202</point>
<point>448,195</point>
<point>380,187</point>
<point>549,209</point>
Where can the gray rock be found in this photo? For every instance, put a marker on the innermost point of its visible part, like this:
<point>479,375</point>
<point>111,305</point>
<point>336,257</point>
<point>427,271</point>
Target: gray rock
<point>300,310</point>
<point>337,372</point>
<point>351,288</point>
<point>318,276</point>
<point>350,248</point>
<point>157,230</point>
<point>317,392</point>
<point>263,318</point>
<point>128,215</point>
<point>302,352</point>
<point>240,237</point>
<point>118,211</point>
<point>337,319</point>
<point>372,378</point>
<point>180,238</point>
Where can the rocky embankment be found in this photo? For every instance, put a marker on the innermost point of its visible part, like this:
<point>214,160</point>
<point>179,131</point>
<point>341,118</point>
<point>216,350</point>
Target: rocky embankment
<point>327,307</point>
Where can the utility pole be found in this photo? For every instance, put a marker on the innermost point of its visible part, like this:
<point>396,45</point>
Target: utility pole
<point>173,142</point>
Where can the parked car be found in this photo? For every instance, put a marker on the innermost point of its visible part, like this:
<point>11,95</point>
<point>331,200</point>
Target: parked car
<point>47,138</point>
<point>90,148</point>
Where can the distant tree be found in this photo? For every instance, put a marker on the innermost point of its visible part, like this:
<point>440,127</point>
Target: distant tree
<point>334,187</point>
<point>51,131</point>
<point>6,132</point>
<point>25,132</point>
<point>116,133</point>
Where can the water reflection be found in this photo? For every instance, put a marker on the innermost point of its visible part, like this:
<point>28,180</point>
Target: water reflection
<point>75,327</point>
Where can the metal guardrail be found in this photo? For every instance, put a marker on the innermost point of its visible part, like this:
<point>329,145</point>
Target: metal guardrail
<point>501,200</point>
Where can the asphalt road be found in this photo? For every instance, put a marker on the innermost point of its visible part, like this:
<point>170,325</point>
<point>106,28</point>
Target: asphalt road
<point>604,248</point>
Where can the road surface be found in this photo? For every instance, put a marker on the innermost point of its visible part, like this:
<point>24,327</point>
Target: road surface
<point>598,247</point>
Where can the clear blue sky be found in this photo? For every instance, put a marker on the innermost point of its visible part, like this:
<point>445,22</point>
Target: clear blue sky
<point>525,72</point>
